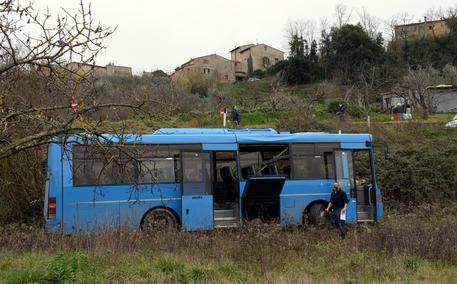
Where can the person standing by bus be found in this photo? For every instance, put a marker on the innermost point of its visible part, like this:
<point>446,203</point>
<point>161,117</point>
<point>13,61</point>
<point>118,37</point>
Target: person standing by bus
<point>235,116</point>
<point>338,204</point>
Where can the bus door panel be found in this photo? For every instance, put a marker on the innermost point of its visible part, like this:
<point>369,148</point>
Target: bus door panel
<point>344,175</point>
<point>365,186</point>
<point>197,198</point>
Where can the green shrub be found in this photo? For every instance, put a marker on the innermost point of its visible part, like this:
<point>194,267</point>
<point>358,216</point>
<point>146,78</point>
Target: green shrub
<point>23,276</point>
<point>258,74</point>
<point>69,268</point>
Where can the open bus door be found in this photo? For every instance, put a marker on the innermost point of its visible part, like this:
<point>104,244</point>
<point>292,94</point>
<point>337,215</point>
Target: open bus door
<point>361,190</point>
<point>344,175</point>
<point>197,195</point>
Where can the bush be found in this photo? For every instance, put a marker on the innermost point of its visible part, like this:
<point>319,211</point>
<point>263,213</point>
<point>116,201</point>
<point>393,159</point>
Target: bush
<point>420,171</point>
<point>278,67</point>
<point>258,74</point>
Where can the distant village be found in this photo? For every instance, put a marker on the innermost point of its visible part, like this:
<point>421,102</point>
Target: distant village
<point>245,59</point>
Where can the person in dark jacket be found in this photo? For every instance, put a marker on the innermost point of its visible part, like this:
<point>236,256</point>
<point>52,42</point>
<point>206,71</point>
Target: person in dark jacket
<point>341,112</point>
<point>235,116</point>
<point>338,204</point>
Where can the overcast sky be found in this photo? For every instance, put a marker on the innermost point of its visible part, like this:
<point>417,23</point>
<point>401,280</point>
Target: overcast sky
<point>163,34</point>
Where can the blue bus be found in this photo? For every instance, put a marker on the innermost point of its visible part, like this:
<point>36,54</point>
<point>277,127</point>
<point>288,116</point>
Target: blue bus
<point>201,179</point>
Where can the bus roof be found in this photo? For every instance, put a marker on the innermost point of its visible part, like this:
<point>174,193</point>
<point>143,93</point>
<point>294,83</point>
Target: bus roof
<point>194,131</point>
<point>219,135</point>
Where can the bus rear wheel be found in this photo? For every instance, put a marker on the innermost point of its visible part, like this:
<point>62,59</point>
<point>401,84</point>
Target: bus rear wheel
<point>159,219</point>
<point>316,214</point>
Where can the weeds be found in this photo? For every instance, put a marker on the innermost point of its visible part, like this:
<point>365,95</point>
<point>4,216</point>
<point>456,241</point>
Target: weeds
<point>399,249</point>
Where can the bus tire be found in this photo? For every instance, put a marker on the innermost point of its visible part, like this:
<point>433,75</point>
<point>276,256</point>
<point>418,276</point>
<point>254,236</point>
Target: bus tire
<point>316,214</point>
<point>159,219</point>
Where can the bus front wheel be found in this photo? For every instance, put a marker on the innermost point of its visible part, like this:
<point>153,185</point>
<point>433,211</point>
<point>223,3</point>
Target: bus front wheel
<point>316,214</point>
<point>159,219</point>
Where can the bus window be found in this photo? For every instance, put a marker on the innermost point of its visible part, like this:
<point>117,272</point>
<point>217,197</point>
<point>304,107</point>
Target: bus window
<point>157,163</point>
<point>196,173</point>
<point>362,165</point>
<point>312,167</point>
<point>344,167</point>
<point>257,160</point>
<point>157,170</point>
<point>249,163</point>
<point>313,161</point>
<point>124,164</point>
<point>94,165</point>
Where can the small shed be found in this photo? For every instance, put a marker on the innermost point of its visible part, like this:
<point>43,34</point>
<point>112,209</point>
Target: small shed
<point>444,98</point>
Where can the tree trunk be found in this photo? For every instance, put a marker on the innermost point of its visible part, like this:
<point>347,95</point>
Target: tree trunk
<point>424,113</point>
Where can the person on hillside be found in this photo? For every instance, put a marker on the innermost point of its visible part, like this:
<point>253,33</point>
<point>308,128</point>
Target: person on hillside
<point>341,111</point>
<point>338,205</point>
<point>235,116</point>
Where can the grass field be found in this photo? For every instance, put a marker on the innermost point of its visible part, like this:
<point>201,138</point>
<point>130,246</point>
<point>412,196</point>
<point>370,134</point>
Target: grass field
<point>259,119</point>
<point>408,249</point>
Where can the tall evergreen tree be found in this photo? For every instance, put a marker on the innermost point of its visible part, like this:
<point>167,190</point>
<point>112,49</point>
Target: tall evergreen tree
<point>353,51</point>
<point>297,71</point>
<point>313,52</point>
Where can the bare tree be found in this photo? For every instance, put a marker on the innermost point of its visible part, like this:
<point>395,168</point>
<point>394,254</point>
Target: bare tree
<point>60,38</point>
<point>396,20</point>
<point>324,25</point>
<point>369,22</point>
<point>435,13</point>
<point>40,97</point>
<point>417,84</point>
<point>277,95</point>
<point>343,15</point>
<point>306,29</point>
<point>450,74</point>
<point>451,12</point>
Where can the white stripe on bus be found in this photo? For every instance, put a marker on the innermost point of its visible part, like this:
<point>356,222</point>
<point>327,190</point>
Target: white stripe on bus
<point>132,200</point>
<point>305,194</point>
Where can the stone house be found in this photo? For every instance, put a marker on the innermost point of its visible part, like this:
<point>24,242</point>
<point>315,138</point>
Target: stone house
<point>110,70</point>
<point>426,28</point>
<point>118,71</point>
<point>213,65</point>
<point>261,55</point>
<point>85,69</point>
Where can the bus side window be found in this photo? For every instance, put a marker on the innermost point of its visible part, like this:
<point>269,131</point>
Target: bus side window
<point>257,160</point>
<point>313,160</point>
<point>93,165</point>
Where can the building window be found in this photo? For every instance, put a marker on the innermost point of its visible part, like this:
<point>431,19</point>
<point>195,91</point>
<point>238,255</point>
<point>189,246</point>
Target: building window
<point>206,71</point>
<point>266,61</point>
<point>276,60</point>
<point>226,77</point>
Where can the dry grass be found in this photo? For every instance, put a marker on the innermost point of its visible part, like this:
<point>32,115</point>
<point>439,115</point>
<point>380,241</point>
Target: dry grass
<point>406,248</point>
